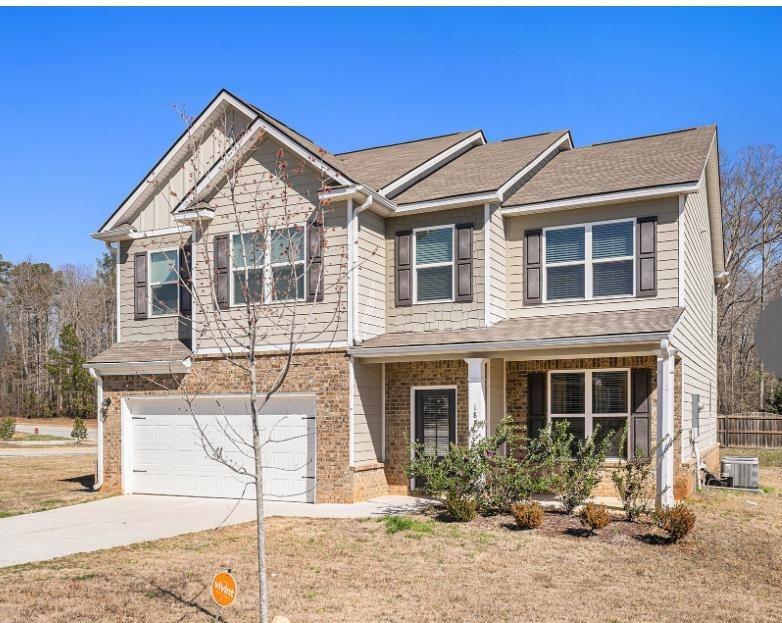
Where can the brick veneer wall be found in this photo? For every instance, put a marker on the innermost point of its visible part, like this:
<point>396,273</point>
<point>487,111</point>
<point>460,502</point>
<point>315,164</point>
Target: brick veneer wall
<point>325,374</point>
<point>400,378</point>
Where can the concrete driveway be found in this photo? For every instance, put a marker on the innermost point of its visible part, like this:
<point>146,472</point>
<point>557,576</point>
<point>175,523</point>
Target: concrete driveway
<point>127,519</point>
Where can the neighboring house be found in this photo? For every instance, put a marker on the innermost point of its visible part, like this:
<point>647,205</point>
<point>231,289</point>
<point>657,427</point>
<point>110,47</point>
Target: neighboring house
<point>525,277</point>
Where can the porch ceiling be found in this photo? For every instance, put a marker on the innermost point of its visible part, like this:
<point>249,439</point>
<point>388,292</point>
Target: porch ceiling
<point>605,328</point>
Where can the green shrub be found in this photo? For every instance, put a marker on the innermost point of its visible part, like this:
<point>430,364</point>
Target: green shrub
<point>461,507</point>
<point>678,521</point>
<point>7,428</point>
<point>634,482</point>
<point>79,432</point>
<point>580,474</point>
<point>594,516</point>
<point>401,523</point>
<point>528,515</point>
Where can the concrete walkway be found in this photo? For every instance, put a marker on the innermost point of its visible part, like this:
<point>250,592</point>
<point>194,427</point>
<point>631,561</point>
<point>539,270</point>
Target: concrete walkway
<point>127,519</point>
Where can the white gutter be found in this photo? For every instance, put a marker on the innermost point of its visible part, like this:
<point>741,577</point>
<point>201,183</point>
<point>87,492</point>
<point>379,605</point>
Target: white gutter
<point>99,414</point>
<point>367,352</point>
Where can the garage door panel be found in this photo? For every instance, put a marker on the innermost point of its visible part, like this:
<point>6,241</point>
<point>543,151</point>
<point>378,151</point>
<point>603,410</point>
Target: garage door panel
<point>169,458</point>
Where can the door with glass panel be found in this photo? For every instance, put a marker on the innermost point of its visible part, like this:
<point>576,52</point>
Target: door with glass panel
<point>435,422</point>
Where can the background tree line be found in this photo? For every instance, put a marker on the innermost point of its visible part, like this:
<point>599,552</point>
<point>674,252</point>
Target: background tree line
<point>52,321</point>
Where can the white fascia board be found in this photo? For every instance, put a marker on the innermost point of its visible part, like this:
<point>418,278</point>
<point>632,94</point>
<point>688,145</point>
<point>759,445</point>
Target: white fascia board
<point>140,367</point>
<point>444,156</point>
<point>173,152</point>
<point>380,204</point>
<point>617,197</point>
<point>198,214</point>
<point>447,204</point>
<point>491,347</point>
<point>556,146</point>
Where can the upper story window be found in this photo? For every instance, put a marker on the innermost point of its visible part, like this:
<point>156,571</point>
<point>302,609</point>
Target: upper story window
<point>164,283</point>
<point>274,276</point>
<point>589,261</point>
<point>433,264</point>
<point>593,400</point>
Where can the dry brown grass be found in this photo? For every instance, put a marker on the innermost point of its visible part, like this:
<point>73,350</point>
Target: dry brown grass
<point>30,484</point>
<point>729,570</point>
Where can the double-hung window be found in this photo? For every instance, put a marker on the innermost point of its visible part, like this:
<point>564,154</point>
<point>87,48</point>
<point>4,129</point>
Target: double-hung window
<point>433,274</point>
<point>590,261</point>
<point>592,400</point>
<point>247,252</point>
<point>164,283</point>
<point>274,264</point>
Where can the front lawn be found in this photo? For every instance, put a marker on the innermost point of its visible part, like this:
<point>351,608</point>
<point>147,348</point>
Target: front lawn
<point>32,437</point>
<point>30,484</point>
<point>729,570</point>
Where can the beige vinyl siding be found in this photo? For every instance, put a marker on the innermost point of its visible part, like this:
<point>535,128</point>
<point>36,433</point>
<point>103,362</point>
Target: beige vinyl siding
<point>496,393</point>
<point>152,328</point>
<point>260,204</point>
<point>695,336</point>
<point>367,412</point>
<point>498,307</point>
<point>371,275</point>
<point>667,256</point>
<point>156,213</point>
<point>436,316</point>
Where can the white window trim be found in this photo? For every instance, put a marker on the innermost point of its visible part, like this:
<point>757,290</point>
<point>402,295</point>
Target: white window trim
<point>150,252</point>
<point>588,262</point>
<point>452,263</point>
<point>588,415</point>
<point>266,267</point>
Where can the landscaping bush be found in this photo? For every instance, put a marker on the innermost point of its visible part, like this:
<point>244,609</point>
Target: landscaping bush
<point>678,521</point>
<point>7,428</point>
<point>580,474</point>
<point>528,515</point>
<point>634,482</point>
<point>594,516</point>
<point>461,507</point>
<point>79,432</point>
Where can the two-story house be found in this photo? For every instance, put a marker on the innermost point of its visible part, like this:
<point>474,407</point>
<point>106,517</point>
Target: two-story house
<point>526,277</point>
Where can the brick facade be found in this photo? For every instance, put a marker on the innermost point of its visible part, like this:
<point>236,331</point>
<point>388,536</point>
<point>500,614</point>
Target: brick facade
<point>325,374</point>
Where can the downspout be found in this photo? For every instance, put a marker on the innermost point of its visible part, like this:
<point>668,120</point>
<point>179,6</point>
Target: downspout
<point>99,400</point>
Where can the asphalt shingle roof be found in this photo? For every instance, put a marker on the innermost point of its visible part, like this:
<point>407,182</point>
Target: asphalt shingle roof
<point>146,351</point>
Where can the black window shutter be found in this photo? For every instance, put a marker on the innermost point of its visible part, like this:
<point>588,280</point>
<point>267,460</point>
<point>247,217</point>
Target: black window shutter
<point>403,269</point>
<point>536,403</point>
<point>647,256</point>
<point>639,432</point>
<point>533,239</point>
<point>222,260</point>
<point>314,260</point>
<point>140,286</point>
<point>185,280</point>
<point>463,256</point>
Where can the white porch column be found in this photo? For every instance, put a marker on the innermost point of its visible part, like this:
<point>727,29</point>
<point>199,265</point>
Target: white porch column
<point>665,427</point>
<point>476,398</point>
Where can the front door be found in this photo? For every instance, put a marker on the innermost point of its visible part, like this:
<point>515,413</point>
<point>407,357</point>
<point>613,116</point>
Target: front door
<point>435,419</point>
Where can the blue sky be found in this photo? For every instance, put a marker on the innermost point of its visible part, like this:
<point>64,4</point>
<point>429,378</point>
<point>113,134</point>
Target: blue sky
<point>88,94</point>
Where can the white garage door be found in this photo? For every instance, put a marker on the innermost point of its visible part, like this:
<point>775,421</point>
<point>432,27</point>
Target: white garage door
<point>168,455</point>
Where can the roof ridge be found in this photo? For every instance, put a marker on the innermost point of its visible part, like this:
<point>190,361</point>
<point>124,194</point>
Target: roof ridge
<point>518,138</point>
<point>643,136</point>
<point>415,140</point>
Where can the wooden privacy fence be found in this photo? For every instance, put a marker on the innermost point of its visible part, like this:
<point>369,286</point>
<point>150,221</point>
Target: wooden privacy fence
<point>755,430</point>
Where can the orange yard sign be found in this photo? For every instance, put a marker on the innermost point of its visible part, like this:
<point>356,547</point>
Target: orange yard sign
<point>224,589</point>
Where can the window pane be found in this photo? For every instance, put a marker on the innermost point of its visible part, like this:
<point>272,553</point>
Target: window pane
<point>287,283</point>
<point>612,240</point>
<point>565,282</point>
<point>567,393</point>
<point>612,278</point>
<point>255,287</point>
<point>609,392</point>
<point>434,245</point>
<point>576,427</point>
<point>253,249</point>
<point>163,266</point>
<point>435,284</point>
<point>611,428</point>
<point>565,245</point>
<point>287,244</point>
<point>165,299</point>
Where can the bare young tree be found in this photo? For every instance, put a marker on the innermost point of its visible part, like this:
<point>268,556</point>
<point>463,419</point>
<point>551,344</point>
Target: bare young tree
<point>257,249</point>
